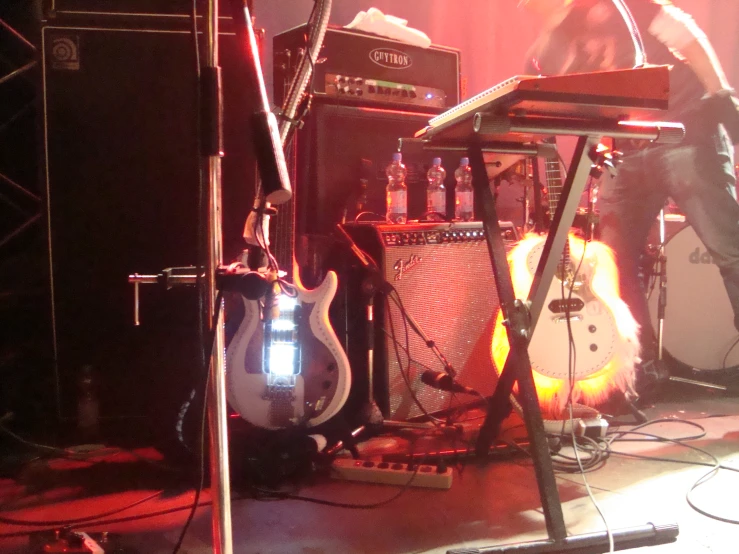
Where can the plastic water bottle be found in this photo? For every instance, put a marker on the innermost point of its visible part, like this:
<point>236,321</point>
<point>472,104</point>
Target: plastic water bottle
<point>88,407</point>
<point>397,191</point>
<point>463,194</point>
<point>436,191</point>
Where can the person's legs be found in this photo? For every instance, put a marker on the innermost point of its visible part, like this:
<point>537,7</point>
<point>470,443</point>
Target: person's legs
<point>702,183</point>
<point>629,204</point>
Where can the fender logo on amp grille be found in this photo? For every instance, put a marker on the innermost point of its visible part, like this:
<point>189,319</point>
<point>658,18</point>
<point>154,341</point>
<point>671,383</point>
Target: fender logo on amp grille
<point>401,267</point>
<point>393,59</point>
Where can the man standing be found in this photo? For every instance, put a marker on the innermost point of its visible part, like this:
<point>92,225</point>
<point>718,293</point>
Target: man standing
<point>698,174</point>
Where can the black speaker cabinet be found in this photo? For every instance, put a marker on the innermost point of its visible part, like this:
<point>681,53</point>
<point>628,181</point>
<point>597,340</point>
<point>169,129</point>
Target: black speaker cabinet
<point>135,8</point>
<point>122,189</point>
<point>342,153</point>
<point>443,276</point>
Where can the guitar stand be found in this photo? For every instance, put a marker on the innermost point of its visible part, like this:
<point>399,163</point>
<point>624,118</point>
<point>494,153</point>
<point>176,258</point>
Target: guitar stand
<point>520,317</point>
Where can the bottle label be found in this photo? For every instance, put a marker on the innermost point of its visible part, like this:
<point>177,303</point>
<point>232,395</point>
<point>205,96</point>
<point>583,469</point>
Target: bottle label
<point>397,206</point>
<point>436,201</point>
<point>396,201</point>
<point>465,203</point>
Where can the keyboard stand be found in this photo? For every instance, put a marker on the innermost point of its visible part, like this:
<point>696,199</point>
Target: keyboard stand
<point>493,134</point>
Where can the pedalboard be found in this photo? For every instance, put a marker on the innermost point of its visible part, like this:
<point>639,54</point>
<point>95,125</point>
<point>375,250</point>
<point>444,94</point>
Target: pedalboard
<point>386,473</point>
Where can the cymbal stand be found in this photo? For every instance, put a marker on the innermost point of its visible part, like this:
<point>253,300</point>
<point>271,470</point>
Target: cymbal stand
<point>661,272</point>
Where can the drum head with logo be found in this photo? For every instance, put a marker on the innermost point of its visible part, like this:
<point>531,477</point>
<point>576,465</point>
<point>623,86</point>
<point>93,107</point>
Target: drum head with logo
<point>699,321</point>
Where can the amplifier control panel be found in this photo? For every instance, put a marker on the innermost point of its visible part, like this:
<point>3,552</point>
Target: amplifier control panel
<point>416,234</point>
<point>362,88</point>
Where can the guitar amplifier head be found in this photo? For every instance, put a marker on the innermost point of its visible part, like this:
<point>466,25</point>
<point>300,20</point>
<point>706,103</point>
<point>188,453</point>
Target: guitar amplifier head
<point>365,69</point>
<point>443,278</point>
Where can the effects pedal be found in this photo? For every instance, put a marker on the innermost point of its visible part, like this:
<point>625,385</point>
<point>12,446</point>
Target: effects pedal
<point>66,541</point>
<point>387,473</point>
<point>70,541</point>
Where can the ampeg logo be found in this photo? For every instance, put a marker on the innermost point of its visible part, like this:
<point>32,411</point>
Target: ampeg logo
<point>393,59</point>
<point>401,267</point>
<point>65,52</point>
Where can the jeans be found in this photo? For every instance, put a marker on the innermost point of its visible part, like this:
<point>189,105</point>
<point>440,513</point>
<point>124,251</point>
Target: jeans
<point>699,177</point>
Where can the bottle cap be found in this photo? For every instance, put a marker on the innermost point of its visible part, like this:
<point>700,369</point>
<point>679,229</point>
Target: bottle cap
<point>436,162</point>
<point>464,161</point>
<point>397,157</point>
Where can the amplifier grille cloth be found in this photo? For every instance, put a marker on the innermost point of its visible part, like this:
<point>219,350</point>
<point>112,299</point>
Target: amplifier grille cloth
<point>451,294</point>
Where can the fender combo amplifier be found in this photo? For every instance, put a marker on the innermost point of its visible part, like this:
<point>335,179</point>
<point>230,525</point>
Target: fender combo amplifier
<point>444,281</point>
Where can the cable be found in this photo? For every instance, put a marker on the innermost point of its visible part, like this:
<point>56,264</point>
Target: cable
<point>200,247</point>
<point>201,469</point>
<point>405,371</point>
<point>715,466</point>
<point>726,356</point>
<point>324,502</point>
<point>619,434</point>
<point>83,456</point>
<point>571,371</point>
<point>86,519</point>
<point>609,532</point>
<point>207,339</point>
<point>125,519</point>
<point>379,217</point>
<point>271,494</point>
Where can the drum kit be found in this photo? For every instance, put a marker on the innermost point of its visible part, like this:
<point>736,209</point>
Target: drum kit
<point>696,326</point>
<point>698,320</point>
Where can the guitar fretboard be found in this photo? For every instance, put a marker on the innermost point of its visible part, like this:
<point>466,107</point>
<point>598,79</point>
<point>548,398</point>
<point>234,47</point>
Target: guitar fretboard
<point>282,231</point>
<point>553,176</point>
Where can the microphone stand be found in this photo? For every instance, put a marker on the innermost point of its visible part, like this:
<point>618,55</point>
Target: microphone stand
<point>212,109</point>
<point>277,189</point>
<point>371,285</point>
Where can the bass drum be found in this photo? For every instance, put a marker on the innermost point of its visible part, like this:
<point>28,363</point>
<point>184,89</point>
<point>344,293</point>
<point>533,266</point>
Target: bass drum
<point>699,322</point>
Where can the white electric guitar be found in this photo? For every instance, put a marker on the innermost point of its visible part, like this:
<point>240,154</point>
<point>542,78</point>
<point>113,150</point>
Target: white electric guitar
<point>285,366</point>
<point>583,303</point>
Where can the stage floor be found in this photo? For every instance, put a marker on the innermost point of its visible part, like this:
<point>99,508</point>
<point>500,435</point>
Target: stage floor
<point>489,503</point>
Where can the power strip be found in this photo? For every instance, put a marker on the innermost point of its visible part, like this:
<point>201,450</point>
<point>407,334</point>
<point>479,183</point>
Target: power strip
<point>387,473</point>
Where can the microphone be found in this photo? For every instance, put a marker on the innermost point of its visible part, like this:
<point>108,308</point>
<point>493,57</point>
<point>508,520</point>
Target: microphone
<point>442,381</point>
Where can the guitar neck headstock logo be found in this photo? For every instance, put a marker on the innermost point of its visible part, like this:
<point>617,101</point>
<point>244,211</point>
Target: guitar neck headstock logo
<point>402,267</point>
